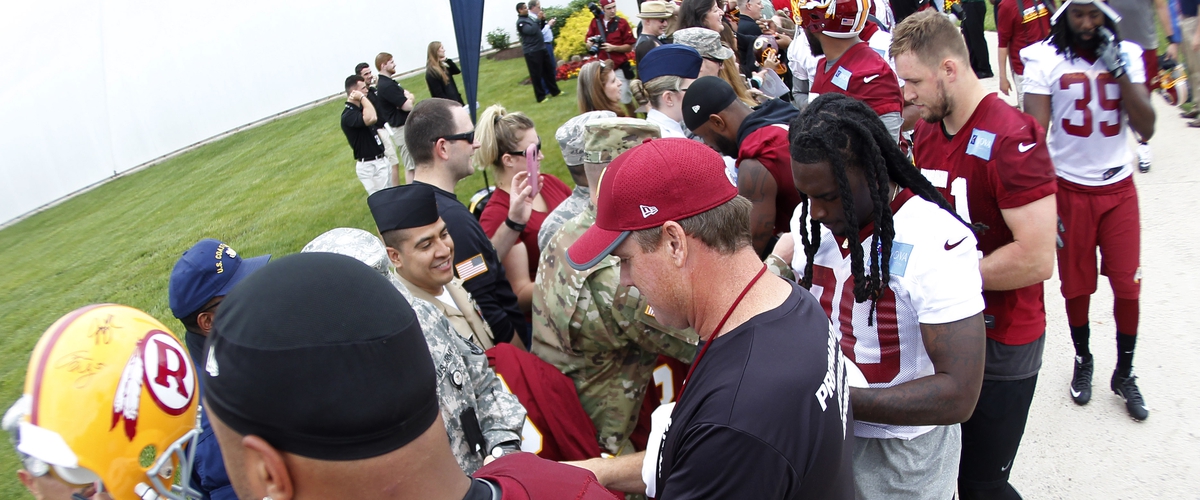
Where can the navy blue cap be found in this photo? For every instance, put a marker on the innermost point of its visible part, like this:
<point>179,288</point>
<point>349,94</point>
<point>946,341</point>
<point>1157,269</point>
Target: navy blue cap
<point>207,270</point>
<point>671,59</point>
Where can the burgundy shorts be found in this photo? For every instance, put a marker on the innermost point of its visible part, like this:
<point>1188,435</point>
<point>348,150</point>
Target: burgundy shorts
<point>1104,217</point>
<point>1150,60</point>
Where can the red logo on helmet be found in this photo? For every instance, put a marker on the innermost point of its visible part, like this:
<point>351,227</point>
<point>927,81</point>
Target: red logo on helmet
<point>169,376</point>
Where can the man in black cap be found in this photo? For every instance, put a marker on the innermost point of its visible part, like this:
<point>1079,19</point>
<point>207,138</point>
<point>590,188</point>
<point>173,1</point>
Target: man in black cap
<point>421,248</point>
<point>441,141</point>
<point>320,385</point>
<point>758,138</point>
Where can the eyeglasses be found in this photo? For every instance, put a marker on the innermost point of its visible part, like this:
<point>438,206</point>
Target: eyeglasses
<point>465,136</point>
<point>522,153</point>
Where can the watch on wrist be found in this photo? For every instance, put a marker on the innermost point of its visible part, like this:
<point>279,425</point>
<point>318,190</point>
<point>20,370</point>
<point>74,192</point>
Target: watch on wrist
<point>513,225</point>
<point>504,449</point>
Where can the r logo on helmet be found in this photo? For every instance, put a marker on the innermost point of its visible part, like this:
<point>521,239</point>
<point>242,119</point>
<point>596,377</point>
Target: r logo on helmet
<point>169,377</point>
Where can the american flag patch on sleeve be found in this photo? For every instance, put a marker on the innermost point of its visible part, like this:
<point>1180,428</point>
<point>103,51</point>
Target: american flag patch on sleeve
<point>471,267</point>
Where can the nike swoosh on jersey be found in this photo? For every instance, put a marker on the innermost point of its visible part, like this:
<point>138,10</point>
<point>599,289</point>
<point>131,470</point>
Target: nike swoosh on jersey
<point>1025,147</point>
<point>867,79</point>
<point>951,247</point>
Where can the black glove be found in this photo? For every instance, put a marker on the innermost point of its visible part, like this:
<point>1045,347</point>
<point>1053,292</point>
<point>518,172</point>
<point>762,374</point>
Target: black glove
<point>1109,51</point>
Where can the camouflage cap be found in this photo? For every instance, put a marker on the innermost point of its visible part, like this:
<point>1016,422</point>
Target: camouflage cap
<point>707,42</point>
<point>363,246</point>
<point>570,135</point>
<point>607,138</point>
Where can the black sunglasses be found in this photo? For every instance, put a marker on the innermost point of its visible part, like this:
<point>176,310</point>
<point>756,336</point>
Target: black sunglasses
<point>465,136</point>
<point>522,153</point>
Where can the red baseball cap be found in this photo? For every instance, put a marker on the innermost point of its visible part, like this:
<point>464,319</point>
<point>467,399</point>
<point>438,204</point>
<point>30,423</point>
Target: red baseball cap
<point>658,181</point>
<point>606,3</point>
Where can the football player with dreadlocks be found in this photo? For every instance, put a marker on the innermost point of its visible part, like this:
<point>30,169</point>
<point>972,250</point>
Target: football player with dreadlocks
<point>912,322</point>
<point>1085,86</point>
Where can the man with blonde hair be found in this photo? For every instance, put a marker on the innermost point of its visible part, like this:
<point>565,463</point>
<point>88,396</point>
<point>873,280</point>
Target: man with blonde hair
<point>990,161</point>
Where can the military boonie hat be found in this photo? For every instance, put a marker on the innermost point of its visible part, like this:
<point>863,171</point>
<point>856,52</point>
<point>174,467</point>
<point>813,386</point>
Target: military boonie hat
<point>659,181</point>
<point>570,135</point>
<point>605,139</point>
<point>707,42</point>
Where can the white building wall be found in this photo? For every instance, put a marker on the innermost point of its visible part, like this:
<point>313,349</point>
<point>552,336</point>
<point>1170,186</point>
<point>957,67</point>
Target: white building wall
<point>92,88</point>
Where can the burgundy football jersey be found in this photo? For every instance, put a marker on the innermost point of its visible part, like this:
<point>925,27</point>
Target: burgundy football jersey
<point>998,160</point>
<point>523,476</point>
<point>863,74</point>
<point>664,388</point>
<point>769,145</point>
<point>556,427</point>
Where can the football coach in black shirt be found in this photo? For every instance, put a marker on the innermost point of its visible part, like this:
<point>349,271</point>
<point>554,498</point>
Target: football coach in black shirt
<point>441,139</point>
<point>764,411</point>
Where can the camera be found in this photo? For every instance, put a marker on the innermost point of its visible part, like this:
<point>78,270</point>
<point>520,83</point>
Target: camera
<point>595,41</point>
<point>596,10</point>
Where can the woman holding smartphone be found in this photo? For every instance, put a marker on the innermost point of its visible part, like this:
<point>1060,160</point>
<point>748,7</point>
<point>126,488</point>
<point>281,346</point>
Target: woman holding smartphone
<point>514,215</point>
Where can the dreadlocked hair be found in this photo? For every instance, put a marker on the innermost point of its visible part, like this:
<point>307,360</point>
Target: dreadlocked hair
<point>1062,38</point>
<point>846,133</point>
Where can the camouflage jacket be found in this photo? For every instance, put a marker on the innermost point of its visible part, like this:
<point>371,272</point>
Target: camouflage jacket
<point>601,334</point>
<point>574,205</point>
<point>466,381</point>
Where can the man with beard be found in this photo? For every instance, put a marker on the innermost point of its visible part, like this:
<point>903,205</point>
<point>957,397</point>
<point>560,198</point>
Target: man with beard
<point>991,163</point>
<point>1098,203</point>
<point>758,138</point>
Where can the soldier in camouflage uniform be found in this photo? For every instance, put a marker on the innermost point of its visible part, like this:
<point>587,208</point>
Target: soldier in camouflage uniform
<point>570,141</point>
<point>479,414</point>
<point>600,333</point>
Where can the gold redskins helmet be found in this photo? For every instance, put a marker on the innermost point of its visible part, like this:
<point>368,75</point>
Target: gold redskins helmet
<point>113,398</point>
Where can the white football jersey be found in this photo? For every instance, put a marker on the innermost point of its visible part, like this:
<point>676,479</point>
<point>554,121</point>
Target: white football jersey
<point>1088,137</point>
<point>934,279</point>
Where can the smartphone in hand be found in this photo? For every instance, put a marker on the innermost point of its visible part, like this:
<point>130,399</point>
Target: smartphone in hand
<point>533,165</point>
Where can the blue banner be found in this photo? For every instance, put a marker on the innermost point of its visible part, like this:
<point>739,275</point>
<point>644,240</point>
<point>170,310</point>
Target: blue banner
<point>468,31</point>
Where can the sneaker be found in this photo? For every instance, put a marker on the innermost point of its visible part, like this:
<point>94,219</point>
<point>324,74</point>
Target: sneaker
<point>1128,390</point>
<point>1144,157</point>
<point>1081,382</point>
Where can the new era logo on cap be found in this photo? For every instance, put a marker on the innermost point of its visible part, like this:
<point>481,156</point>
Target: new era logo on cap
<point>669,179</point>
<point>696,108</point>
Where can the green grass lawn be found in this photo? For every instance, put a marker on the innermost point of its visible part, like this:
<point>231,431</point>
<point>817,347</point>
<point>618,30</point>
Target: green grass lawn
<point>270,189</point>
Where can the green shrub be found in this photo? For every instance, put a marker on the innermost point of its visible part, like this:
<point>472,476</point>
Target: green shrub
<point>499,39</point>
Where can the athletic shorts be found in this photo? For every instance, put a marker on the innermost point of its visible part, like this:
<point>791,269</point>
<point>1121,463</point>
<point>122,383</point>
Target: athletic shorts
<point>991,436</point>
<point>922,468</point>
<point>1150,60</point>
<point>1104,217</point>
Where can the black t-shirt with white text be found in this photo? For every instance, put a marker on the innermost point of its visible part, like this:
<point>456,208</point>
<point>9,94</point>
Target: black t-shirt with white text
<point>766,414</point>
<point>362,137</point>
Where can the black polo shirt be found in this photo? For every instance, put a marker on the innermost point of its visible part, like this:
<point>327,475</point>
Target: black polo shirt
<point>392,98</point>
<point>489,286</point>
<point>373,96</point>
<point>362,137</point>
<point>766,413</point>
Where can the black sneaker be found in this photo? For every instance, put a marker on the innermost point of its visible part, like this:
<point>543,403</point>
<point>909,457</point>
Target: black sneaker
<point>1128,390</point>
<point>1081,382</point>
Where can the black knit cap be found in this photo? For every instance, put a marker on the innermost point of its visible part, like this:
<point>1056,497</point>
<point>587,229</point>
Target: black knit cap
<point>322,357</point>
<point>403,207</point>
<point>705,97</point>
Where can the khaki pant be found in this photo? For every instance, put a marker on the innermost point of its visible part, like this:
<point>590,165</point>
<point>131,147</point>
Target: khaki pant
<point>1188,26</point>
<point>374,174</point>
<point>398,145</point>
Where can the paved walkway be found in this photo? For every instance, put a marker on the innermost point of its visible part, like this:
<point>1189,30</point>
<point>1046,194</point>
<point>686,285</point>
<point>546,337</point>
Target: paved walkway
<point>1097,451</point>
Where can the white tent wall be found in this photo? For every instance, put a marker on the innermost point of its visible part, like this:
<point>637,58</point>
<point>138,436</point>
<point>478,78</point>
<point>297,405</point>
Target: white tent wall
<point>93,88</point>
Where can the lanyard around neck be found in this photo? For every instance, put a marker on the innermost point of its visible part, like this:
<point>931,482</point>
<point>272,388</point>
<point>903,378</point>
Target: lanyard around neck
<point>720,325</point>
